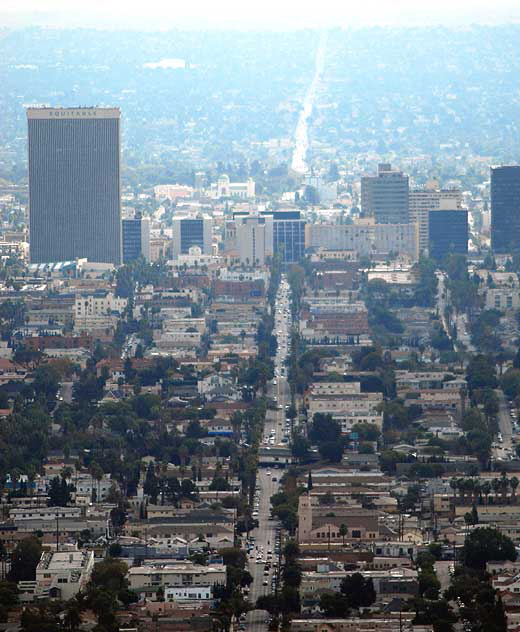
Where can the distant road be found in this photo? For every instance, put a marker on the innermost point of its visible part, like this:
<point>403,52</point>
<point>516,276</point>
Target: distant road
<point>301,136</point>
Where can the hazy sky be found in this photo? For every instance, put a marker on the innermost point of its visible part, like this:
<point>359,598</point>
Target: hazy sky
<point>244,13</point>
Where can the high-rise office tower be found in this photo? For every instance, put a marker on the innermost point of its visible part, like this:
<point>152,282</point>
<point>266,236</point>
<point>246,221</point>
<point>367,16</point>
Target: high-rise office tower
<point>136,239</point>
<point>192,231</point>
<point>74,184</point>
<point>288,235</point>
<point>252,239</point>
<point>385,196</point>
<point>448,231</point>
<point>505,209</point>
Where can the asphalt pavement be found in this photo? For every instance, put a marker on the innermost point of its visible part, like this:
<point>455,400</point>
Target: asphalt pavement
<point>268,478</point>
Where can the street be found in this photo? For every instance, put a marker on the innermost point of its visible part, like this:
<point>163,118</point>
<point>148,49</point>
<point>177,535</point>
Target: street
<point>264,548</point>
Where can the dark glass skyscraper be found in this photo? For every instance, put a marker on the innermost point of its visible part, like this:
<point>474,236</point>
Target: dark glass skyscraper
<point>448,229</point>
<point>505,209</point>
<point>74,184</point>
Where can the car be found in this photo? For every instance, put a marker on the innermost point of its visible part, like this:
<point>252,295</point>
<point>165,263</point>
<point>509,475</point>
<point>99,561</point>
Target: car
<point>265,583</point>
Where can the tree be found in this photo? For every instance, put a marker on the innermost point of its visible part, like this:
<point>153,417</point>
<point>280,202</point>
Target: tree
<point>324,428</point>
<point>359,591</point>
<point>331,451</point>
<point>335,605</point>
<point>24,560</point>
<point>300,447</point>
<point>485,544</point>
<point>343,531</point>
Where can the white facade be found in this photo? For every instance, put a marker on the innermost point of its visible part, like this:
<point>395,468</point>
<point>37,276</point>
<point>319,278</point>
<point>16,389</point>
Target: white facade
<point>226,188</point>
<point>90,311</point>
<point>187,593</point>
<point>251,237</point>
<point>178,575</point>
<point>63,574</point>
<point>365,237</point>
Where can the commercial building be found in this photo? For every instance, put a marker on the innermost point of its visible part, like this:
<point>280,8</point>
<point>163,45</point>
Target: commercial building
<point>283,235</point>
<point>60,575</point>
<point>385,196</point>
<point>448,232</point>
<point>74,184</point>
<point>288,236</point>
<point>192,231</point>
<point>505,209</point>
<point>252,239</point>
<point>365,238</point>
<point>422,201</point>
<point>136,239</point>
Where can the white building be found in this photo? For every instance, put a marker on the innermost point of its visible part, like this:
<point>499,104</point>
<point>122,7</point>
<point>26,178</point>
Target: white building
<point>62,574</point>
<point>187,593</point>
<point>252,239</point>
<point>182,574</point>
<point>94,310</point>
<point>365,237</point>
<point>226,188</point>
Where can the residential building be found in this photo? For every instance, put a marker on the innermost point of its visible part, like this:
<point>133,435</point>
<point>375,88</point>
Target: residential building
<point>74,184</point>
<point>385,196</point>
<point>183,574</point>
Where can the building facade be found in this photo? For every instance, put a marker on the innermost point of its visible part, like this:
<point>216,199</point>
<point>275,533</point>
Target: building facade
<point>385,196</point>
<point>192,231</point>
<point>74,184</point>
<point>505,209</point>
<point>448,233</point>
<point>136,239</point>
<point>422,201</point>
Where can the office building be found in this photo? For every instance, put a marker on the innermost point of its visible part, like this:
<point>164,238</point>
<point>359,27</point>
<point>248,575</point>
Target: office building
<point>422,201</point>
<point>284,234</point>
<point>448,231</point>
<point>252,239</point>
<point>365,238</point>
<point>385,196</point>
<point>74,184</point>
<point>191,231</point>
<point>136,239</point>
<point>505,209</point>
<point>288,235</point>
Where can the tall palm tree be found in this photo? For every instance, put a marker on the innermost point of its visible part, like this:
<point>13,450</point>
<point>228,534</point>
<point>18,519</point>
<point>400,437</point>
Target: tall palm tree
<point>514,484</point>
<point>496,485</point>
<point>343,531</point>
<point>486,490</point>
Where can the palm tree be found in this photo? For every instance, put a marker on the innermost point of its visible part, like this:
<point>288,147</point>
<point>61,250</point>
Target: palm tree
<point>504,484</point>
<point>496,485</point>
<point>343,531</point>
<point>514,484</point>
<point>486,490</point>
<point>454,484</point>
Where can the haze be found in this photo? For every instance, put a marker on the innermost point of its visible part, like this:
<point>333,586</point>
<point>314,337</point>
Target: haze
<point>162,14</point>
